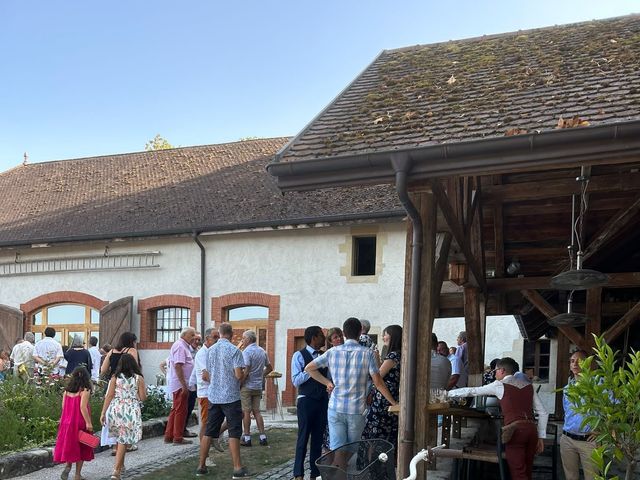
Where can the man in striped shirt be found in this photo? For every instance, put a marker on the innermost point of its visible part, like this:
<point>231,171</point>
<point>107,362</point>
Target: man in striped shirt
<point>350,366</point>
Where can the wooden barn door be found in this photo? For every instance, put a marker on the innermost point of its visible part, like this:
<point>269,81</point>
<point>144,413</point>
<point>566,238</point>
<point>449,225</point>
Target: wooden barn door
<point>11,326</point>
<point>115,319</point>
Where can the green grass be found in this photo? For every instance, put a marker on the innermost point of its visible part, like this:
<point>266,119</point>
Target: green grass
<point>257,459</point>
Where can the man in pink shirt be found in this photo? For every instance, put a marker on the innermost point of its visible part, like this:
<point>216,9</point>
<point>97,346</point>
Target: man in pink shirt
<point>181,365</point>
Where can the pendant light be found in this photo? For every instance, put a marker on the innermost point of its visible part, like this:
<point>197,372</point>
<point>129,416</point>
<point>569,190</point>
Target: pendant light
<point>570,318</point>
<point>578,278</point>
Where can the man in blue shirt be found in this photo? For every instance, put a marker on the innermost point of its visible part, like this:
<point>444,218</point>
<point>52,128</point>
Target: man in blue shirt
<point>311,404</point>
<point>350,366</point>
<point>225,366</point>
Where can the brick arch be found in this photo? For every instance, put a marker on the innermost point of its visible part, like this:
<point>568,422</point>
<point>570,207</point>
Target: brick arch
<point>219,306</point>
<point>147,305</point>
<point>35,304</point>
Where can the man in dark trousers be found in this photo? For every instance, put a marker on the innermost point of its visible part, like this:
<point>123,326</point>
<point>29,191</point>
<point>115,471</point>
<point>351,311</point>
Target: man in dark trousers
<point>311,404</point>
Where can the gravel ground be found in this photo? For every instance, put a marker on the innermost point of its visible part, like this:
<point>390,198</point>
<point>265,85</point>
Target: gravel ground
<point>152,454</point>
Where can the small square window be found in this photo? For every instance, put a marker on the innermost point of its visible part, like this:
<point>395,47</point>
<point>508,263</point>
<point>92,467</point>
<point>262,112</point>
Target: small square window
<point>364,256</point>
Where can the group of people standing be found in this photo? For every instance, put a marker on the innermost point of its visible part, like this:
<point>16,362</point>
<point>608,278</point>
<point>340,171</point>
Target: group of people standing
<point>345,387</point>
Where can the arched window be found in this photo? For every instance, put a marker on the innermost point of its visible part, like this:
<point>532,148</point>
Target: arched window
<point>249,317</point>
<point>68,319</point>
<point>169,322</point>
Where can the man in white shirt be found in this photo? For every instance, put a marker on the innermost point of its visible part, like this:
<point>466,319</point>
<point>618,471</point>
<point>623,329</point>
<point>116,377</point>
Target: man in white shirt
<point>48,352</point>
<point>457,369</point>
<point>518,400</point>
<point>22,356</point>
<point>94,351</point>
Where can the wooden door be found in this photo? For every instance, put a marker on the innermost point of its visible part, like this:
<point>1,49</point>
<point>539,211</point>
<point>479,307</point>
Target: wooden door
<point>115,319</point>
<point>11,326</point>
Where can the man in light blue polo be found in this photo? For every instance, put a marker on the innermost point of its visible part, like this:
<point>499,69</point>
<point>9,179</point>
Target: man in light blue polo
<point>225,367</point>
<point>350,366</point>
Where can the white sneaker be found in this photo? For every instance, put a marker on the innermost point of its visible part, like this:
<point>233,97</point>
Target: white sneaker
<point>209,462</point>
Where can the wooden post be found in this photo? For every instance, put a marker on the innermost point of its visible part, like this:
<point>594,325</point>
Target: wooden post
<point>594,314</point>
<point>425,327</point>
<point>474,335</point>
<point>562,370</point>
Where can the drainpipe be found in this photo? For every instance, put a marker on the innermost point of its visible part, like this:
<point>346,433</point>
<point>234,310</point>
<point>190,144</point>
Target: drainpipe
<point>203,257</point>
<point>402,165</point>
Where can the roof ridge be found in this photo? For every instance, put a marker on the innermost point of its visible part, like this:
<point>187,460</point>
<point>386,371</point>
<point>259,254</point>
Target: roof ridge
<point>145,152</point>
<point>492,36</point>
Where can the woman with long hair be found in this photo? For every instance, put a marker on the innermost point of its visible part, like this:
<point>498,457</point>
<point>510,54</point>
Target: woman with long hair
<point>75,416</point>
<point>381,423</point>
<point>126,344</point>
<point>121,410</point>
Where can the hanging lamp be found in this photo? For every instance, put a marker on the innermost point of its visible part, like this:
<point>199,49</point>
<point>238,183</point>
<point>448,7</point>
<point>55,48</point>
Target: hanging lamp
<point>578,278</point>
<point>570,318</point>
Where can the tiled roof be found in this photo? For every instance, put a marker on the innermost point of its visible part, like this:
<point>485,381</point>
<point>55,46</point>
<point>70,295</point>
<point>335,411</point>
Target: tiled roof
<point>213,187</point>
<point>482,87</point>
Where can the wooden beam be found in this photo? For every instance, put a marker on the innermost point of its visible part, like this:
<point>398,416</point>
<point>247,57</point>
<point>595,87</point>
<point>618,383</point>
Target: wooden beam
<point>559,187</point>
<point>498,233</point>
<point>548,311</point>
<point>594,316</point>
<point>622,324</point>
<point>616,280</point>
<point>474,335</point>
<point>562,372</point>
<point>443,242</point>
<point>458,233</point>
<point>612,228</point>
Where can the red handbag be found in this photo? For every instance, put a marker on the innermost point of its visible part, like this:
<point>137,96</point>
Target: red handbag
<point>88,439</point>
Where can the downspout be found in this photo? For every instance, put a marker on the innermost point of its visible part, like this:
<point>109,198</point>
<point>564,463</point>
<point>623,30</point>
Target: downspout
<point>402,166</point>
<point>203,257</point>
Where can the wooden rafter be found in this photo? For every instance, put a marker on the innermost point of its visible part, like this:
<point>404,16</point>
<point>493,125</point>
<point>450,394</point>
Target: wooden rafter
<point>594,315</point>
<point>613,227</point>
<point>559,187</point>
<point>623,323</point>
<point>443,242</point>
<point>458,233</point>
<point>548,311</point>
<point>616,280</point>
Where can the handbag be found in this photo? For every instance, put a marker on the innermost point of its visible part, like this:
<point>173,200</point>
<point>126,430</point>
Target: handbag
<point>88,439</point>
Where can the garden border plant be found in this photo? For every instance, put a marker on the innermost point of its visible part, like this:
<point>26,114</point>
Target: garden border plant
<point>607,394</point>
<point>31,410</point>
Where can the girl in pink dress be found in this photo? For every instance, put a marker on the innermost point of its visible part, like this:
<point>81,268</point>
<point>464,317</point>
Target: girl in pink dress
<point>76,416</point>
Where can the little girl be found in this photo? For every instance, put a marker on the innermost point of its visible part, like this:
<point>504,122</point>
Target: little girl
<point>5,363</point>
<point>76,416</point>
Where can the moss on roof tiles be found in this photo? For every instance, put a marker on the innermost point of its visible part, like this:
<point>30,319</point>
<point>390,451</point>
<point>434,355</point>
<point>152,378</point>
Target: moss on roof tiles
<point>481,87</point>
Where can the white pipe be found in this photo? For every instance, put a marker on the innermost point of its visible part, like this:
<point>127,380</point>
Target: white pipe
<point>422,455</point>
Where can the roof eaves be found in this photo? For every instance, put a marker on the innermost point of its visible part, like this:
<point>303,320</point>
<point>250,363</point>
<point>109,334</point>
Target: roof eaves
<point>491,155</point>
<point>275,224</point>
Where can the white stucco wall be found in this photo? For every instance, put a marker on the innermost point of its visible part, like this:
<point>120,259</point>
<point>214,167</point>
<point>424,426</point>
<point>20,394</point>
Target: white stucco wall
<point>305,267</point>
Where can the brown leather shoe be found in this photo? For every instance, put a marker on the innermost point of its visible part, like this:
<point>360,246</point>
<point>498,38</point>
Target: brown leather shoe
<point>182,442</point>
<point>188,434</point>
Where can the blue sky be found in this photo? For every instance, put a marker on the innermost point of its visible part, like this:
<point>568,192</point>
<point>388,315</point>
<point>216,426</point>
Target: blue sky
<point>86,78</point>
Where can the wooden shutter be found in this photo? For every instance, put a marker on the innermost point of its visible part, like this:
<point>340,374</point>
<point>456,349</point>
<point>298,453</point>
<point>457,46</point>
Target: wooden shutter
<point>115,319</point>
<point>11,325</point>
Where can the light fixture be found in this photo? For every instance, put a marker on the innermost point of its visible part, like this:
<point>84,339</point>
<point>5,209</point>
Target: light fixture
<point>578,278</point>
<point>514,267</point>
<point>570,318</point>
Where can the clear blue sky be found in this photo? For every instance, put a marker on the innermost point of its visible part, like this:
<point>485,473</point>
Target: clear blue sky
<point>85,78</point>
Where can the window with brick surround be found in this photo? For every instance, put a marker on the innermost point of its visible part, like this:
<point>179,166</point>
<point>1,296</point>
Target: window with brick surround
<point>364,255</point>
<point>169,322</point>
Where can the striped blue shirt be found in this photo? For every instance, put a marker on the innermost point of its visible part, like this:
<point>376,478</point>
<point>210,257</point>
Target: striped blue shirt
<point>222,358</point>
<point>350,366</point>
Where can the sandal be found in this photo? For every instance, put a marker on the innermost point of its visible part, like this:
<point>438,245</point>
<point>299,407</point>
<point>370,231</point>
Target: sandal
<point>115,476</point>
<point>132,448</point>
<point>65,473</point>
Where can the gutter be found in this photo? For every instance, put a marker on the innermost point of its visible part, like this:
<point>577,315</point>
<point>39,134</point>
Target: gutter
<point>402,166</point>
<point>203,258</point>
<point>554,148</point>
<point>265,224</point>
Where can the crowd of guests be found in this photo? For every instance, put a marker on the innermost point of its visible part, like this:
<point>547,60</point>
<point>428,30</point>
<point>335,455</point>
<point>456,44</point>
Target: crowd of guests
<point>345,387</point>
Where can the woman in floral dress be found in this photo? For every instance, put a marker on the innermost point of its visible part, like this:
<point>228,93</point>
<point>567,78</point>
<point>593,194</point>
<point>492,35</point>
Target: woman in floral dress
<point>380,423</point>
<point>121,409</point>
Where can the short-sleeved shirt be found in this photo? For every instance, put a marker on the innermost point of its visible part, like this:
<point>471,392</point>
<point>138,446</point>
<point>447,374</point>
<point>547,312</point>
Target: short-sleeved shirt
<point>22,353</point>
<point>255,359</point>
<point>222,360</point>
<point>440,371</point>
<point>350,366</point>
<point>180,354</point>
<point>202,386</point>
<point>48,349</point>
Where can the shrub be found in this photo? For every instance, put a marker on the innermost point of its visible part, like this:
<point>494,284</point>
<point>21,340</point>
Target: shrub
<point>156,404</point>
